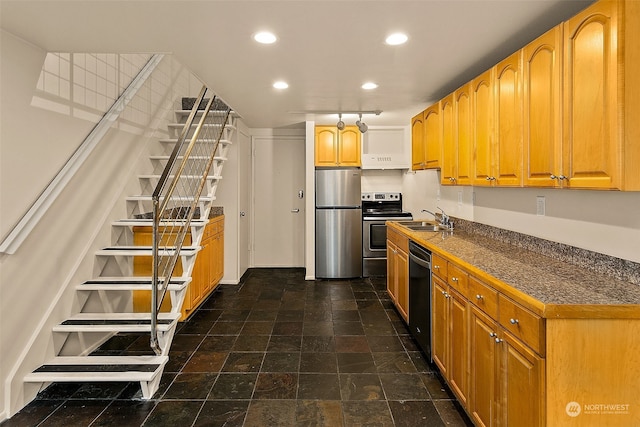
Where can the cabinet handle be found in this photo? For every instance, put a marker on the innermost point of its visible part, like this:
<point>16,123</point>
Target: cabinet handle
<point>514,321</point>
<point>479,297</point>
<point>553,176</point>
<point>454,279</point>
<point>498,340</point>
<point>493,334</point>
<point>436,267</point>
<point>444,293</point>
<point>562,177</point>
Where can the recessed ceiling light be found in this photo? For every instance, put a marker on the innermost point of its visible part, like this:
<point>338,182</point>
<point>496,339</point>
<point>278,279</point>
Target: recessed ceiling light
<point>369,86</point>
<point>281,85</point>
<point>265,37</point>
<point>396,39</point>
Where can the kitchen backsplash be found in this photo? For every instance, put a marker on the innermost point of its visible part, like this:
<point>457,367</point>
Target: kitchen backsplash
<point>618,268</point>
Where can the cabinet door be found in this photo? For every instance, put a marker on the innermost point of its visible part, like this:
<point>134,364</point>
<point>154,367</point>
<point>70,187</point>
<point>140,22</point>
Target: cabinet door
<point>326,146</point>
<point>448,168</point>
<point>521,385</point>
<point>482,127</point>
<point>349,147</point>
<point>439,324</point>
<point>462,103</point>
<point>484,365</point>
<point>392,278</point>
<point>200,275</point>
<point>432,137</point>
<point>542,137</point>
<point>417,142</point>
<point>402,283</point>
<point>590,149</point>
<point>459,346</point>
<point>507,149</point>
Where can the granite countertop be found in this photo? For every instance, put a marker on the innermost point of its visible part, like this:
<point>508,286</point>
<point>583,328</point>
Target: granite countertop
<point>557,288</point>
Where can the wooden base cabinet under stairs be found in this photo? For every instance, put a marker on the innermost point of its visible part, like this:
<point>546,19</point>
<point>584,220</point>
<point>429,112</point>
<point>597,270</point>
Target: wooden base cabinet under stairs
<point>207,271</point>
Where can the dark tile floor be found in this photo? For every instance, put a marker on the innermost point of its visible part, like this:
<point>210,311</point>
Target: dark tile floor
<point>274,351</point>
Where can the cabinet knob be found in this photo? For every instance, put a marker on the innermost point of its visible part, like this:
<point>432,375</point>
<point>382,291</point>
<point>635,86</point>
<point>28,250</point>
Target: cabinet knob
<point>553,176</point>
<point>444,293</point>
<point>498,340</point>
<point>479,297</point>
<point>562,177</point>
<point>514,321</point>
<point>493,334</point>
<point>436,267</point>
<point>454,279</point>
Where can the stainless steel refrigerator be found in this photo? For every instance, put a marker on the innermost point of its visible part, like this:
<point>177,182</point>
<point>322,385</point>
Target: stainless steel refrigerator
<point>338,223</point>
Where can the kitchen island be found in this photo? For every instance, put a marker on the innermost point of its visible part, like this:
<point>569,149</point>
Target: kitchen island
<point>524,338</point>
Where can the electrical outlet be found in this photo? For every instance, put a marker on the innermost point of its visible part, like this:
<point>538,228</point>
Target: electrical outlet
<point>540,206</point>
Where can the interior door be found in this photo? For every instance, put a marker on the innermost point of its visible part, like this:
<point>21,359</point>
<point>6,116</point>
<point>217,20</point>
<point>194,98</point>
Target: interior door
<point>278,189</point>
<point>244,202</point>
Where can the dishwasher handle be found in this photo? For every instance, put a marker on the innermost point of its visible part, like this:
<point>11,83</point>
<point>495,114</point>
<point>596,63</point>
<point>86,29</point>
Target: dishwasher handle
<point>421,262</point>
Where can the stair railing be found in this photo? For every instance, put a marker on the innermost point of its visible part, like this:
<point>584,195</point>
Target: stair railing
<point>178,198</point>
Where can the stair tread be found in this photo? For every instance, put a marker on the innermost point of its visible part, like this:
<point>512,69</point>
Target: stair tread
<point>144,250</point>
<point>135,222</point>
<point>151,176</point>
<point>116,322</point>
<point>145,197</point>
<point>208,140</point>
<point>219,158</point>
<point>98,368</point>
<point>211,125</point>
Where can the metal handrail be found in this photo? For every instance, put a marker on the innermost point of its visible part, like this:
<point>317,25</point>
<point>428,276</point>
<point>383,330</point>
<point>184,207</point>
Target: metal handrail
<point>168,185</point>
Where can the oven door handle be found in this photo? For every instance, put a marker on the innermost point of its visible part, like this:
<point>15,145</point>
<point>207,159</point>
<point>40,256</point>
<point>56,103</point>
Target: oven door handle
<point>383,218</point>
<point>421,262</point>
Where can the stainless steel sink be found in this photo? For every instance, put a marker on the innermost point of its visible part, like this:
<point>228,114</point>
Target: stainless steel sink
<point>422,225</point>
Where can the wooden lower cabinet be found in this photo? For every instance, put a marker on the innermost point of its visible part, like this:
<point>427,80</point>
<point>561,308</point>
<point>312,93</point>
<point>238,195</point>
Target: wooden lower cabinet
<point>207,271</point>
<point>484,364</point>
<point>450,348</point>
<point>398,278</point>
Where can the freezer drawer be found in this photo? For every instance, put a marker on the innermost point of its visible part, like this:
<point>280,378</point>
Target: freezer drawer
<point>338,243</point>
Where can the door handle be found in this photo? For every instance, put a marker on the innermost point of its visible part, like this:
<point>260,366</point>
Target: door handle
<point>295,210</point>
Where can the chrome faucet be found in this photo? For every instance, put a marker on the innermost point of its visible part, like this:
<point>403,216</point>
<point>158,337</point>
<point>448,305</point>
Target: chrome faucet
<point>443,218</point>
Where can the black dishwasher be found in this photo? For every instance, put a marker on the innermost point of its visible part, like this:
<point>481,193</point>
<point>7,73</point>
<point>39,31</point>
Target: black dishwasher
<point>420,296</point>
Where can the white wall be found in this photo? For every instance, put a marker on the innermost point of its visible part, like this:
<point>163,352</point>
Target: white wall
<point>37,283</point>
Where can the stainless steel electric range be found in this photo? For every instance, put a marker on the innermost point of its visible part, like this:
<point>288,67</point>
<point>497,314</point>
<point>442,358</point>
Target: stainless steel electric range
<point>377,208</point>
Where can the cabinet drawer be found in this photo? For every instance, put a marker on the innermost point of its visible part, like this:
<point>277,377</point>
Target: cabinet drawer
<point>457,278</point>
<point>398,239</point>
<point>522,323</point>
<point>483,297</point>
<point>439,266</point>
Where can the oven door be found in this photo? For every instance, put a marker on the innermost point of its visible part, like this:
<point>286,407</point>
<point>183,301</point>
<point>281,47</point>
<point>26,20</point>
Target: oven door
<point>374,238</point>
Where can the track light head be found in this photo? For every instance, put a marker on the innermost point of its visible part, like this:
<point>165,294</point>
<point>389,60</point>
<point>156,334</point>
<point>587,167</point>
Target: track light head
<point>361,125</point>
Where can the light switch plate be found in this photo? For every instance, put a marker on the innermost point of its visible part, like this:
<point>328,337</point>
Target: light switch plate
<point>540,206</point>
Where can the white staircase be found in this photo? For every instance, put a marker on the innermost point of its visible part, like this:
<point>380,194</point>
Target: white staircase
<point>115,266</point>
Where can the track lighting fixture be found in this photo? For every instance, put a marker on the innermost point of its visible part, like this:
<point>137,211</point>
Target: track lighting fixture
<point>340,125</point>
<point>361,125</point>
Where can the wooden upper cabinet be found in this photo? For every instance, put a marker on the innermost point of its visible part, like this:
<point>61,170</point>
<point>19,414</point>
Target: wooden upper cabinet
<point>418,151</point>
<point>592,155</point>
<point>335,147</point>
<point>482,127</point>
<point>432,137</point>
<point>464,137</point>
<point>507,149</point>
<point>448,168</point>
<point>542,136</point>
<point>349,140</point>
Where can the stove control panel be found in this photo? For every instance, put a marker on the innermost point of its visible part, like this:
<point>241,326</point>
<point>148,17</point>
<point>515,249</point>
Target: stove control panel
<point>381,197</point>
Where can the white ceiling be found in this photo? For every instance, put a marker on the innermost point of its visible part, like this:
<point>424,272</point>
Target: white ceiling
<point>325,49</point>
